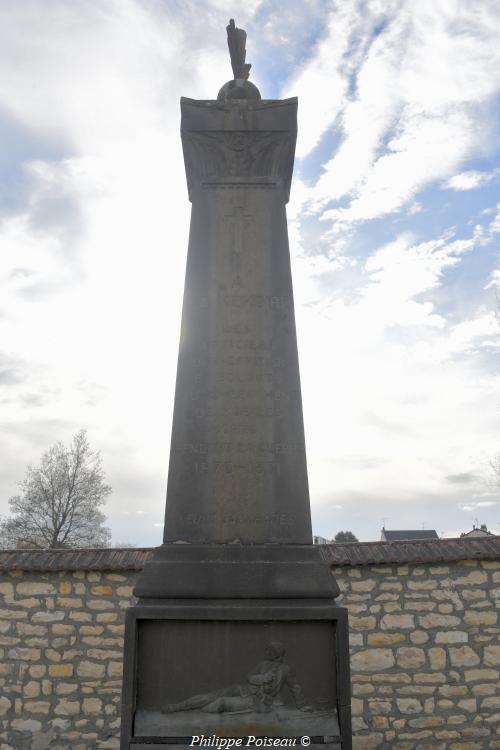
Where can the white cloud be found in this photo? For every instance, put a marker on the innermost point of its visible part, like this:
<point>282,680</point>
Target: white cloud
<point>400,388</point>
<point>475,506</point>
<point>321,84</point>
<point>469,180</point>
<point>419,152</point>
<point>401,271</point>
<point>418,106</point>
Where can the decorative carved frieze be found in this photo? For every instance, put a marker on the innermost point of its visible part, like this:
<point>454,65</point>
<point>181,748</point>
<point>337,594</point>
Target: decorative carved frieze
<point>240,141</point>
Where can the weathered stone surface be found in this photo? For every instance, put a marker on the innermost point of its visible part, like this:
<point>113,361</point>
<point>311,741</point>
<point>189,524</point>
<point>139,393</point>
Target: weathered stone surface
<point>378,706</point>
<point>90,669</point>
<point>435,721</point>
<point>80,616</point>
<point>362,623</point>
<point>410,657</point>
<point>481,674</point>
<point>480,618</point>
<point>468,704</point>
<point>368,585</point>
<point>463,656</point>
<point>59,629</point>
<point>426,585</point>
<point>431,677</point>
<point>24,628</point>
<point>67,708</point>
<point>485,689</point>
<point>491,703</point>
<point>492,656</point>
<point>5,705</point>
<point>373,659</point>
<point>32,588</point>
<point>362,689</point>
<point>409,705</point>
<point>92,706</point>
<point>437,658</point>
<point>24,654</point>
<point>452,636</point>
<point>396,622</point>
<point>101,654</point>
<point>368,742</point>
<point>475,577</point>
<point>126,591</point>
<point>48,616</point>
<point>26,725</point>
<point>438,621</point>
<point>115,669</point>
<point>418,637</point>
<point>383,639</point>
<point>14,614</point>
<point>391,586</point>
<point>37,707</point>
<point>61,670</point>
<point>37,670</point>
<point>31,689</point>
<point>357,706</point>
<point>102,590</point>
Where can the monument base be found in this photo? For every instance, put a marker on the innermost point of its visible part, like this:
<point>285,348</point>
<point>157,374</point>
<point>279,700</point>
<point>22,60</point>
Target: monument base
<point>233,669</point>
<point>234,571</point>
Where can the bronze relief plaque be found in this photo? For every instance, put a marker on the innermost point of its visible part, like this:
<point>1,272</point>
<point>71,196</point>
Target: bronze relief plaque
<point>235,678</point>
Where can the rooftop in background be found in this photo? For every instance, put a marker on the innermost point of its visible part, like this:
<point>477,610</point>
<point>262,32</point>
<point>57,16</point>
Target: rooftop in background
<point>477,532</point>
<point>353,553</point>
<point>317,539</point>
<point>407,535</point>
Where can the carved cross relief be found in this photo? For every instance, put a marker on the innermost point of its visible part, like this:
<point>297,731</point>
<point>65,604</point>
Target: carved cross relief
<point>237,225</point>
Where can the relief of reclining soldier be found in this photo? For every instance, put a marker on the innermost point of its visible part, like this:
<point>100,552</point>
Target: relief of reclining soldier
<point>260,692</point>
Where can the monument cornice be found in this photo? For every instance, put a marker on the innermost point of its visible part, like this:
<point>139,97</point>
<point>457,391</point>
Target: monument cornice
<point>239,139</point>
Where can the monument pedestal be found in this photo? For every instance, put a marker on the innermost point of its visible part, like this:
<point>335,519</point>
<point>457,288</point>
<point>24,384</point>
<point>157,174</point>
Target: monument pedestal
<point>236,634</point>
<point>236,641</point>
<point>189,649</point>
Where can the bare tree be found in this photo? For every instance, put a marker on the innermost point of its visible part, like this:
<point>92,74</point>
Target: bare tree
<point>59,502</point>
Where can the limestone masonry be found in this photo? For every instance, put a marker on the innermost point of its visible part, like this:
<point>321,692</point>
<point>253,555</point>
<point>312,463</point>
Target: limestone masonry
<point>425,645</point>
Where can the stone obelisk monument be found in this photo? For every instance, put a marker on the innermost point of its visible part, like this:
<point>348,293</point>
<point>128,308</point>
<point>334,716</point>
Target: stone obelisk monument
<point>236,632</point>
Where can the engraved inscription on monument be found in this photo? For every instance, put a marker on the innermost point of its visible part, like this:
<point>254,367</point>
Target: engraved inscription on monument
<point>238,387</point>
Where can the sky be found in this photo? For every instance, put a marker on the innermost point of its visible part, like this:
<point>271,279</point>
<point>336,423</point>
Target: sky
<point>394,224</point>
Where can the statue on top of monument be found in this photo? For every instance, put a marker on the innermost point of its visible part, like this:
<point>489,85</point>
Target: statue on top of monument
<point>236,39</point>
<point>240,87</point>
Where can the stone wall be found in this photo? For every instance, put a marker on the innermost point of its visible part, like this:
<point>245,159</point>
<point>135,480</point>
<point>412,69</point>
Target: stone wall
<point>425,654</point>
<point>61,644</point>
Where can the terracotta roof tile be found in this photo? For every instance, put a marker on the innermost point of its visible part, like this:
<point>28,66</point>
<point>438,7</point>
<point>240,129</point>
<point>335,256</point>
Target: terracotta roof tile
<point>357,553</point>
<point>436,550</point>
<point>75,559</point>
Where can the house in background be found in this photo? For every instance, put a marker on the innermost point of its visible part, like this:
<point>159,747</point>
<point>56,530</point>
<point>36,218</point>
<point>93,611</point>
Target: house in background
<point>320,539</point>
<point>478,531</point>
<point>420,535</point>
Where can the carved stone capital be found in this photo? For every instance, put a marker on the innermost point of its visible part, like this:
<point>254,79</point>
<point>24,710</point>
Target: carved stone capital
<point>242,139</point>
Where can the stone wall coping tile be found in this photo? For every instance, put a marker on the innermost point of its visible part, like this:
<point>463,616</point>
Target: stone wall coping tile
<point>355,553</point>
